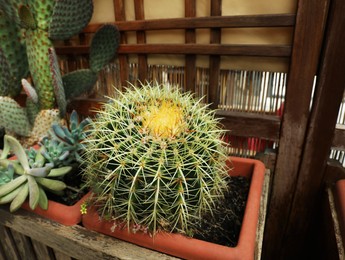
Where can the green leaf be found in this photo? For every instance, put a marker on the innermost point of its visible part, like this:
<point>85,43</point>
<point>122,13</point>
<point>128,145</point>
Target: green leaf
<point>33,192</point>
<point>10,196</point>
<point>18,201</point>
<point>12,185</point>
<point>50,184</point>
<point>18,150</point>
<point>59,171</point>
<point>43,200</point>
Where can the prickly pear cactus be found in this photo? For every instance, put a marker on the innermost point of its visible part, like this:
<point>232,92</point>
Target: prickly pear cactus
<point>43,22</point>
<point>155,158</point>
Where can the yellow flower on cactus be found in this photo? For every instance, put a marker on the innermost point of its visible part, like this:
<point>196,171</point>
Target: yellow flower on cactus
<point>165,120</point>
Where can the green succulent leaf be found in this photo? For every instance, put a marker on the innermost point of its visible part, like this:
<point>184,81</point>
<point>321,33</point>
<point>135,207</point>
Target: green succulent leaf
<point>59,171</point>
<point>12,185</point>
<point>43,200</point>
<point>18,150</point>
<point>104,47</point>
<point>51,184</point>
<point>10,196</point>
<point>69,18</point>
<point>18,201</point>
<point>33,192</point>
<point>18,169</point>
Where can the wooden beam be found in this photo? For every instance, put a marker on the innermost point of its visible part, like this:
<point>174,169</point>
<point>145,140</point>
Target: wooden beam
<point>250,124</point>
<point>308,35</point>
<point>200,49</point>
<point>237,21</point>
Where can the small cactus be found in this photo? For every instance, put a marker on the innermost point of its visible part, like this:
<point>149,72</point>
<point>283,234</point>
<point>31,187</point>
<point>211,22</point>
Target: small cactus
<point>155,158</point>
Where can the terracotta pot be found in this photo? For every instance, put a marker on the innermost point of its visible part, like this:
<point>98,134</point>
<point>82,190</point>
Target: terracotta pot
<point>190,248</point>
<point>66,215</point>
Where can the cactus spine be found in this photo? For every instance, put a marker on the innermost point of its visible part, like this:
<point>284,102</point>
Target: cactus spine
<point>155,158</point>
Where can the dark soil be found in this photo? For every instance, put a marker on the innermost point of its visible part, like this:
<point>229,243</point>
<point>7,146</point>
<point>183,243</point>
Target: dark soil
<point>73,193</point>
<point>223,227</point>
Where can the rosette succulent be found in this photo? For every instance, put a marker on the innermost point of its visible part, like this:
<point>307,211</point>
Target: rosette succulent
<point>155,158</point>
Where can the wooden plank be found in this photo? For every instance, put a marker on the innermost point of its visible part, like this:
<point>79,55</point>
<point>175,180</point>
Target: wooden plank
<point>42,251</point>
<point>190,38</point>
<point>120,15</point>
<point>24,246</point>
<point>60,255</point>
<point>250,124</point>
<point>74,241</point>
<point>7,243</point>
<point>308,35</point>
<point>339,137</point>
<point>328,96</point>
<point>264,50</point>
<point>214,59</point>
<point>237,21</point>
<point>141,39</point>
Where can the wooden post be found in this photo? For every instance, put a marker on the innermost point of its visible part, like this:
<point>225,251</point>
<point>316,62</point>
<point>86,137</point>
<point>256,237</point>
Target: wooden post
<point>328,96</point>
<point>309,29</point>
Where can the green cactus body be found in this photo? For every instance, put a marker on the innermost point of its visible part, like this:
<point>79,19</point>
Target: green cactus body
<point>155,158</point>
<point>38,44</point>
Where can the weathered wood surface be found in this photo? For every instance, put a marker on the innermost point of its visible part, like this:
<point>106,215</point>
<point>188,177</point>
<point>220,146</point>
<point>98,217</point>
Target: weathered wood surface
<point>308,36</point>
<point>66,242</point>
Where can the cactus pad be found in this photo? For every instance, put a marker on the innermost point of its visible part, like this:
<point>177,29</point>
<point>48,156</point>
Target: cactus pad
<point>26,18</point>
<point>57,82</point>
<point>104,46</point>
<point>69,18</point>
<point>38,44</point>
<point>6,80</point>
<point>13,117</point>
<point>13,51</point>
<point>78,82</point>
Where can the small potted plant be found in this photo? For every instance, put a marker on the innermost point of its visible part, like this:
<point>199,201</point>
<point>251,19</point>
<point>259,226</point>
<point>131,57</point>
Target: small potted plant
<point>156,164</point>
<point>51,168</point>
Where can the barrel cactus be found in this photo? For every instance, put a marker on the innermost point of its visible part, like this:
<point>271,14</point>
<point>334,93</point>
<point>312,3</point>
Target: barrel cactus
<point>155,158</point>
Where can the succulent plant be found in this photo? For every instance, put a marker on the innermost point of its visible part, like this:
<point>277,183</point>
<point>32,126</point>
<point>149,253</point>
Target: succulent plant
<point>43,22</point>
<point>70,139</point>
<point>155,158</point>
<point>31,179</point>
